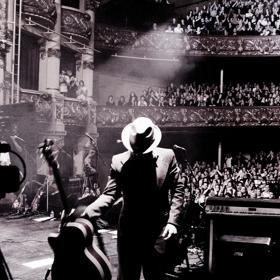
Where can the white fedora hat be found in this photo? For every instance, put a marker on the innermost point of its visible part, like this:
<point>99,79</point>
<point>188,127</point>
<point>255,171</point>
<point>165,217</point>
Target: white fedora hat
<point>141,132</point>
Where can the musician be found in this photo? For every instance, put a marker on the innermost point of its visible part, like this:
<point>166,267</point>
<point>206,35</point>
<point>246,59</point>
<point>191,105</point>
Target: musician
<point>149,180</point>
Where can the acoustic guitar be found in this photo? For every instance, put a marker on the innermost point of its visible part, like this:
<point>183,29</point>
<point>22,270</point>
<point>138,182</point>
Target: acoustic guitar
<point>20,203</point>
<point>76,256</point>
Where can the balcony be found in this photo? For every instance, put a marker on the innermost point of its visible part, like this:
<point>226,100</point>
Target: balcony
<point>183,117</point>
<point>74,112</point>
<point>42,12</point>
<point>162,43</point>
<point>76,25</point>
<point>81,113</point>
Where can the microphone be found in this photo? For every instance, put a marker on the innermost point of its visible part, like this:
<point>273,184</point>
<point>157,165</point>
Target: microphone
<point>18,138</point>
<point>86,134</point>
<point>179,148</point>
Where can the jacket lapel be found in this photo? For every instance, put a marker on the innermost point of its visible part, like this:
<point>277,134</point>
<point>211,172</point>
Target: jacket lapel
<point>162,165</point>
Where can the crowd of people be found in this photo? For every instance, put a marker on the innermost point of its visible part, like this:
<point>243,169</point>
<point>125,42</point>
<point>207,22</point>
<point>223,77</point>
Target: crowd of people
<point>243,175</point>
<point>229,17</point>
<point>195,94</point>
<point>71,87</point>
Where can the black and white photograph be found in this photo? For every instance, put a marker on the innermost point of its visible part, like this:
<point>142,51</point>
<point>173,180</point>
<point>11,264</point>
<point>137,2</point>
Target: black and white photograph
<point>139,139</point>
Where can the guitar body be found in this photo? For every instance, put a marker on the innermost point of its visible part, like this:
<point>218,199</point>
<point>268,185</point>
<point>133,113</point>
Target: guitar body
<point>76,256</point>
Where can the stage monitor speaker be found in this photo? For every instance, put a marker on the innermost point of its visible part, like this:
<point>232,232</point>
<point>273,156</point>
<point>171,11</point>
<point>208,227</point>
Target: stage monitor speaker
<point>243,247</point>
<point>246,257</point>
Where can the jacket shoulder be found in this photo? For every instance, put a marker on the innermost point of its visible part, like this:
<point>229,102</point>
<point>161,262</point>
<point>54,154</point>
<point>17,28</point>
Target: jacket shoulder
<point>120,159</point>
<point>164,152</point>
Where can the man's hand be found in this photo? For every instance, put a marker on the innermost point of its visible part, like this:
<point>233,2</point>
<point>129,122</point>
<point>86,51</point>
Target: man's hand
<point>89,212</point>
<point>168,231</point>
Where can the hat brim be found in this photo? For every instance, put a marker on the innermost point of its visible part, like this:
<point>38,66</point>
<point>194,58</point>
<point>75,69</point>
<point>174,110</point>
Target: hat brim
<point>126,135</point>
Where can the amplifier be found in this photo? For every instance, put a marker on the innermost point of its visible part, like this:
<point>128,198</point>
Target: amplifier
<point>243,237</point>
<point>75,186</point>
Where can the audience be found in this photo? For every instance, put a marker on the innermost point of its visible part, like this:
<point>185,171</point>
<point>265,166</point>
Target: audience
<point>206,95</point>
<point>243,175</point>
<point>71,87</point>
<point>230,17</point>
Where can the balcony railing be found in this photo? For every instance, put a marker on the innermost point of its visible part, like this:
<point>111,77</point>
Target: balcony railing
<point>190,116</point>
<point>156,42</point>
<point>76,24</point>
<point>42,12</point>
<point>75,112</point>
<point>82,113</point>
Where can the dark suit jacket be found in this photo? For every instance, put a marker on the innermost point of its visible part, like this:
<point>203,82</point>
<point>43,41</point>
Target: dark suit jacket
<point>152,189</point>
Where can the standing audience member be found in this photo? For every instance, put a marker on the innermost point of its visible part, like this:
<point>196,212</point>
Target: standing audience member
<point>72,88</point>
<point>82,91</point>
<point>63,82</point>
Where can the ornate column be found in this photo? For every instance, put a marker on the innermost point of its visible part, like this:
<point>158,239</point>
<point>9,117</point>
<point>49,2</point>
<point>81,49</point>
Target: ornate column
<point>43,64</point>
<point>2,79</point>
<point>82,5</point>
<point>49,79</point>
<point>85,64</point>
<point>53,55</point>
<point>3,48</point>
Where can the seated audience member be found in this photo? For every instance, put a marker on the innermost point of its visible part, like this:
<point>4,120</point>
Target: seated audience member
<point>178,29</point>
<point>142,102</point>
<point>133,99</point>
<point>121,101</point>
<point>110,101</point>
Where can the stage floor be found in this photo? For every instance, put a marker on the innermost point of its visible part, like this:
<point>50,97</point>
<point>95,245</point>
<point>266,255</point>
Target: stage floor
<point>28,255</point>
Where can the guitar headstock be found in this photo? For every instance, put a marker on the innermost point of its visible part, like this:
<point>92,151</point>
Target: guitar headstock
<point>47,151</point>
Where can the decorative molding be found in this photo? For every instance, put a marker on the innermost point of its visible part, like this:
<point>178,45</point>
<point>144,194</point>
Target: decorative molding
<point>157,42</point>
<point>40,11</point>
<point>235,46</point>
<point>68,110</point>
<point>76,25</point>
<point>75,112</point>
<point>59,111</point>
<point>88,65</point>
<point>54,52</point>
<point>92,113</point>
<point>4,46</point>
<point>190,116</point>
<point>78,64</point>
<point>42,101</point>
<point>42,48</point>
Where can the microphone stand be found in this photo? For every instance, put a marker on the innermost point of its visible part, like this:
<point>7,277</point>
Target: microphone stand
<point>187,228</point>
<point>98,154</point>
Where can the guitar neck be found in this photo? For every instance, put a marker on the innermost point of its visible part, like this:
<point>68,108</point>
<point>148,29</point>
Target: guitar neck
<point>61,190</point>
